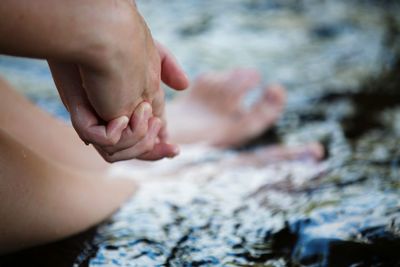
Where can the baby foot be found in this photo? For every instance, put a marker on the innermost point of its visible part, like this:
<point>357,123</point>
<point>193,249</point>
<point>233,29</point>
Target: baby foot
<point>213,111</point>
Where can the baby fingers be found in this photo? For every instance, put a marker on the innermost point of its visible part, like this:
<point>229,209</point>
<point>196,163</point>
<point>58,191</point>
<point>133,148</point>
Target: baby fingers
<point>160,151</point>
<point>91,131</point>
<point>135,132</point>
<point>142,147</point>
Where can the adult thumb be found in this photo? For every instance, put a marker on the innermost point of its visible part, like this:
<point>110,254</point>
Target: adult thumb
<point>171,72</point>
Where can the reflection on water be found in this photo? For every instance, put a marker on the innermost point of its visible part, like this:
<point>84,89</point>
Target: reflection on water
<point>340,63</point>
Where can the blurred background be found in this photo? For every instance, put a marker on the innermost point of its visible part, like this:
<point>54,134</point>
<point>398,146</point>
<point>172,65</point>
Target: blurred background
<point>306,45</point>
<point>340,62</point>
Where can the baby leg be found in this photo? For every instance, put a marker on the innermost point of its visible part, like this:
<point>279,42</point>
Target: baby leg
<point>42,201</point>
<point>43,133</point>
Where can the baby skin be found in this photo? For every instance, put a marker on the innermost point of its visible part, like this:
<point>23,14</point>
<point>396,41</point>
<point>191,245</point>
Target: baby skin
<point>213,112</point>
<point>53,186</point>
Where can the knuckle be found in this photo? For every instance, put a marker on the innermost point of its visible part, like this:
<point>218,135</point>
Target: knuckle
<point>108,158</point>
<point>148,146</point>
<point>106,142</point>
<point>87,139</point>
<point>109,150</point>
<point>82,133</point>
<point>141,131</point>
<point>111,141</point>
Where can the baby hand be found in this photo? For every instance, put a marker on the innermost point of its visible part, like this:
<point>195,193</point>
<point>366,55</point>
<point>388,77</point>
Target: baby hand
<point>140,139</point>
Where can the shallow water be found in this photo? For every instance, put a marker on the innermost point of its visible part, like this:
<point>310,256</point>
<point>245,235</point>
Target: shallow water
<point>340,63</point>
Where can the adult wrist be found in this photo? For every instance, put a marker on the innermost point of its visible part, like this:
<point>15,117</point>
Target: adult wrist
<point>103,34</point>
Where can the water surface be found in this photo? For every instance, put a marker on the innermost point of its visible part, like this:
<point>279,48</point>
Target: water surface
<point>340,63</point>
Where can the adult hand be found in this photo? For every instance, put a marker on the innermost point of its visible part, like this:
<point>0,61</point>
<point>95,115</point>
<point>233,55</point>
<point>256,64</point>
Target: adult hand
<point>140,135</point>
<point>103,58</point>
